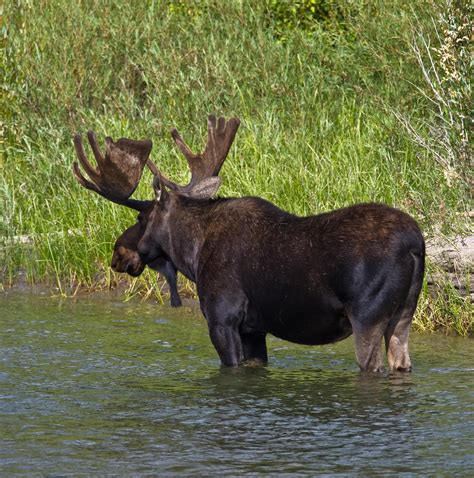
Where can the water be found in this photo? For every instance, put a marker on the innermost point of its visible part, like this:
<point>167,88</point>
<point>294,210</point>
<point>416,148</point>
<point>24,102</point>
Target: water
<point>96,387</point>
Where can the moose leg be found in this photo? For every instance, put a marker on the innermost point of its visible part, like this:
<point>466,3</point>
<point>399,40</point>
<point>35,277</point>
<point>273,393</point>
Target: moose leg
<point>254,348</point>
<point>396,335</point>
<point>372,313</point>
<point>224,312</point>
<point>368,327</point>
<point>368,346</point>
<point>169,273</point>
<point>396,343</point>
<point>226,341</point>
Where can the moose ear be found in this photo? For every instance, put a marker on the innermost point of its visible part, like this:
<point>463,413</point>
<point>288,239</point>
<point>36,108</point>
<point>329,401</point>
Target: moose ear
<point>206,188</point>
<point>160,191</point>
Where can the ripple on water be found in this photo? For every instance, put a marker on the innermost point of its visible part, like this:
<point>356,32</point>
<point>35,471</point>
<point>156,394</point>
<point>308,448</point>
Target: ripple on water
<point>103,387</point>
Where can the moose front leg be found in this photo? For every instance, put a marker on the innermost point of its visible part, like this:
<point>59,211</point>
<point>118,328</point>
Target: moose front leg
<point>254,348</point>
<point>224,314</point>
<point>226,341</point>
<point>225,306</point>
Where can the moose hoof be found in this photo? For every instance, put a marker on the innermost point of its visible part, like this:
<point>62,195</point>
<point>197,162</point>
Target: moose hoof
<point>253,363</point>
<point>176,302</point>
<point>404,369</point>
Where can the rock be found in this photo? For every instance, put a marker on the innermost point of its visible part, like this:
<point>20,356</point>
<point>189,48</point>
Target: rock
<point>455,258</point>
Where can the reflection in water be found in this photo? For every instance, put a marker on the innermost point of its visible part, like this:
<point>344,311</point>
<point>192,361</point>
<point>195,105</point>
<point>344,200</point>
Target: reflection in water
<point>102,387</point>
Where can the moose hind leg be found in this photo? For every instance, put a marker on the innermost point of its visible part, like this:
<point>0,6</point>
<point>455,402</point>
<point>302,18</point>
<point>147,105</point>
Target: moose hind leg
<point>368,346</point>
<point>396,335</point>
<point>396,343</point>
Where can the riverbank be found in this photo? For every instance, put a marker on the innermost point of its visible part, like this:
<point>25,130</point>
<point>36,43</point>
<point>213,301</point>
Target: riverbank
<point>453,261</point>
<point>447,298</point>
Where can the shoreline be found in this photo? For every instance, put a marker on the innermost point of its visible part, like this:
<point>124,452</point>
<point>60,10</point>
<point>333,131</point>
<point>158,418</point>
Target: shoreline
<point>449,260</point>
<point>445,305</point>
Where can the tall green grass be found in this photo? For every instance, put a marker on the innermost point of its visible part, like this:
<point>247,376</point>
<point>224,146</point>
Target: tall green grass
<point>317,130</point>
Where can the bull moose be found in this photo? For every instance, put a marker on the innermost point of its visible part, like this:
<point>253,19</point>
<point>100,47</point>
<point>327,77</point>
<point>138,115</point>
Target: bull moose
<point>258,269</point>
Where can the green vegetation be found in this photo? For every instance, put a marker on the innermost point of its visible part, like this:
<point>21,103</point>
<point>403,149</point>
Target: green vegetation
<point>332,99</point>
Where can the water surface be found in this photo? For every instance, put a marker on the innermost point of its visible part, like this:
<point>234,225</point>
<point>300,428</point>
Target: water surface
<point>99,386</point>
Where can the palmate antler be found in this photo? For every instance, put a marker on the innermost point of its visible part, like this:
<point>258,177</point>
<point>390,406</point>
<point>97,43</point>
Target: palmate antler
<point>118,172</point>
<point>220,136</point>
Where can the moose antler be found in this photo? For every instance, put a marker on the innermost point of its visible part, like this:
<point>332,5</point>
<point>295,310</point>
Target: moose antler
<point>118,172</point>
<point>220,136</point>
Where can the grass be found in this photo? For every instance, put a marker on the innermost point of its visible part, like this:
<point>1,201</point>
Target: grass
<point>447,310</point>
<point>317,129</point>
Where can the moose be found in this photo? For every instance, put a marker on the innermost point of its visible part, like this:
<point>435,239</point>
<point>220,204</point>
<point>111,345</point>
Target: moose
<point>260,270</point>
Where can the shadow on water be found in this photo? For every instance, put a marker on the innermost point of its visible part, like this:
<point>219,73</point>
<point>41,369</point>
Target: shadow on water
<point>102,387</point>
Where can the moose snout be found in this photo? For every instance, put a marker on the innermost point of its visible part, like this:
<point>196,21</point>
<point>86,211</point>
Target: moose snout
<point>117,260</point>
<point>126,260</point>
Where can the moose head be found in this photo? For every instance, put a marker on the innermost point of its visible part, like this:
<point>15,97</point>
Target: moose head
<point>118,174</point>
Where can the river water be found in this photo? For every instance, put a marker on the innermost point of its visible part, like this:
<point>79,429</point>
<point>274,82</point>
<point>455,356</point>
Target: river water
<point>99,387</point>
